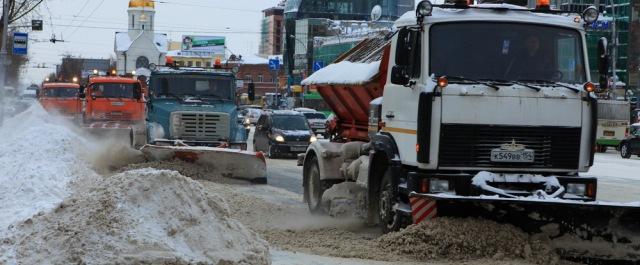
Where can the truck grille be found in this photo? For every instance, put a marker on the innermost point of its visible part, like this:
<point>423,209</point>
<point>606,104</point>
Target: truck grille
<point>471,145</point>
<point>202,126</point>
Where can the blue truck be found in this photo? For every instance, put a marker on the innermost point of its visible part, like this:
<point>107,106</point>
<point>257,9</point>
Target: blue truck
<point>194,106</point>
<point>192,116</point>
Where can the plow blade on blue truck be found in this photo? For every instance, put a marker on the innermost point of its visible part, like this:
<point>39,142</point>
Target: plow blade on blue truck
<point>586,232</point>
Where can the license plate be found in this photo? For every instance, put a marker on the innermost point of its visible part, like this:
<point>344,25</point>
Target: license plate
<point>609,133</point>
<point>298,148</point>
<point>117,103</point>
<point>523,156</point>
<point>320,130</point>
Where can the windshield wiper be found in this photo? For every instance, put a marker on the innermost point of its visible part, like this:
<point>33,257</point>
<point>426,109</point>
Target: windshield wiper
<point>172,96</point>
<point>461,78</point>
<point>547,82</point>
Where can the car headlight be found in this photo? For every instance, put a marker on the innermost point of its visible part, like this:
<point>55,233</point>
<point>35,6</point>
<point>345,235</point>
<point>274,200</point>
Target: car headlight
<point>576,189</point>
<point>280,139</point>
<point>247,121</point>
<point>438,185</point>
<point>313,138</point>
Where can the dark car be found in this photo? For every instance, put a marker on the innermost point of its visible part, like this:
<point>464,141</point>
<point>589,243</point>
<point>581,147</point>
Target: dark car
<point>282,132</point>
<point>631,144</point>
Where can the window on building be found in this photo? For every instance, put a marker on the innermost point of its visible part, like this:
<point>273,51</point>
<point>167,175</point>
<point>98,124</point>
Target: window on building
<point>260,78</point>
<point>189,63</point>
<point>142,62</point>
<point>133,21</point>
<point>208,64</point>
<point>142,26</point>
<point>198,64</point>
<point>247,78</point>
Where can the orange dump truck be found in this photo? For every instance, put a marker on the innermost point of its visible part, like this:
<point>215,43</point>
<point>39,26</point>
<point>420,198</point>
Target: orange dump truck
<point>115,107</point>
<point>61,98</point>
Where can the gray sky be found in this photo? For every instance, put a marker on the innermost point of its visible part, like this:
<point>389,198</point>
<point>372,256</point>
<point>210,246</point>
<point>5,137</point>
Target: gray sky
<point>88,27</point>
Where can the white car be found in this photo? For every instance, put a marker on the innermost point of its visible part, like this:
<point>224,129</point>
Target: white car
<point>251,115</point>
<point>317,122</point>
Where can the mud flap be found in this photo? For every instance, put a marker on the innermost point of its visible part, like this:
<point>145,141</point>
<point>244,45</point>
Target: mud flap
<point>589,232</point>
<point>230,163</point>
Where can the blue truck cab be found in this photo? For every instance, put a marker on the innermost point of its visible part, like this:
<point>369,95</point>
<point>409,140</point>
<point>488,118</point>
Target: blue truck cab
<point>196,107</point>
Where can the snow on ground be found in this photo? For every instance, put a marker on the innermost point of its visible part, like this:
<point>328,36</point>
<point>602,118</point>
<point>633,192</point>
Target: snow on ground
<point>38,159</point>
<point>55,209</point>
<point>144,216</point>
<point>618,178</point>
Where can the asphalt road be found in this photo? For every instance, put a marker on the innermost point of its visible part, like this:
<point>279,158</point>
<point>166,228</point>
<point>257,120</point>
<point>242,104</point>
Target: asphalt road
<point>281,173</point>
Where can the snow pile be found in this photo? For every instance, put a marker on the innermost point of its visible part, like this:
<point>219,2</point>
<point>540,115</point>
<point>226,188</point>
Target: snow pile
<point>344,73</point>
<point>38,159</point>
<point>144,216</point>
<point>465,239</point>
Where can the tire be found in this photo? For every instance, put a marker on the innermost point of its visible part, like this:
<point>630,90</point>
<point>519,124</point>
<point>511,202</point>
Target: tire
<point>313,188</point>
<point>625,151</point>
<point>601,148</point>
<point>389,219</point>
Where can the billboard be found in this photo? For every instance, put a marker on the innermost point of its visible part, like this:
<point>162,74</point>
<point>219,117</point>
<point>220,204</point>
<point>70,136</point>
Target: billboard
<point>208,44</point>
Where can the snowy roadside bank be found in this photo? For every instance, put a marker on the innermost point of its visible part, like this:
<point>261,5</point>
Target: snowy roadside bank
<point>55,209</point>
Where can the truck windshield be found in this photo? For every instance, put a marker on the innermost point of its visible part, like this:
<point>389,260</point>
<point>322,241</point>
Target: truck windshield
<point>510,52</point>
<point>315,115</point>
<point>193,85</point>
<point>290,123</point>
<point>114,90</point>
<point>61,92</point>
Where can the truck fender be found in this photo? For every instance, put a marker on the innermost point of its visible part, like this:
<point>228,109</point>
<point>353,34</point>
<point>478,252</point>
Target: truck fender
<point>384,154</point>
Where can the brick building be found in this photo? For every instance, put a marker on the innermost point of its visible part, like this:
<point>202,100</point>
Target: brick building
<point>272,31</point>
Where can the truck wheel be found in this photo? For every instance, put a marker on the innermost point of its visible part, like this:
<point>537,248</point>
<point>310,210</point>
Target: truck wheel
<point>625,151</point>
<point>313,189</point>
<point>601,148</point>
<point>390,220</point>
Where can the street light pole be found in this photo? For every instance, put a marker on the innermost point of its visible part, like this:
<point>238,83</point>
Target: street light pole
<point>3,57</point>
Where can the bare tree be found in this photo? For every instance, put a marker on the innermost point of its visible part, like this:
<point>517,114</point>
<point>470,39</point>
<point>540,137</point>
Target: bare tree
<point>18,9</point>
<point>71,67</point>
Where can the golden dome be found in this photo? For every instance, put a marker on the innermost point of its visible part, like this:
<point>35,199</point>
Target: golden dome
<point>141,3</point>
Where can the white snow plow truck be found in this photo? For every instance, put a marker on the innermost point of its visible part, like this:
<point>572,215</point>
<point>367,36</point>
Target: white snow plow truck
<point>482,110</point>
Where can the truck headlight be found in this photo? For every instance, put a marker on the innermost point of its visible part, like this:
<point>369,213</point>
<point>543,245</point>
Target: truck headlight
<point>576,189</point>
<point>313,139</point>
<point>279,138</point>
<point>438,185</point>
<point>247,121</point>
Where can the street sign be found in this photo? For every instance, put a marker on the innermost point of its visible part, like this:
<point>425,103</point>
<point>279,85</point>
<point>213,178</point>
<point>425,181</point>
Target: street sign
<point>20,43</point>
<point>36,25</point>
<point>317,65</point>
<point>274,64</point>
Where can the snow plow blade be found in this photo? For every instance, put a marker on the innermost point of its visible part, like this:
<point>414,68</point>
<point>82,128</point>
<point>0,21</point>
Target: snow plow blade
<point>229,163</point>
<point>586,232</point>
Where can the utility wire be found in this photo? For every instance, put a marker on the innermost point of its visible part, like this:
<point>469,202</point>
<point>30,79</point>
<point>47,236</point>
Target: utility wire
<point>91,14</point>
<point>86,2</point>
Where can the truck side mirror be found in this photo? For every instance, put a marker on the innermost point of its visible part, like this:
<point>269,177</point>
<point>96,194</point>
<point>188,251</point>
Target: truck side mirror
<point>81,93</point>
<point>137,92</point>
<point>399,75</point>
<point>603,63</point>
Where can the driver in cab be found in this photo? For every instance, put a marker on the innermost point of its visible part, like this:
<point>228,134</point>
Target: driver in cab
<point>533,63</point>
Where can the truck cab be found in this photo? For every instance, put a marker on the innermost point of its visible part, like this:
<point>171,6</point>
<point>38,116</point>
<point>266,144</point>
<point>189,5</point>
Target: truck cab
<point>114,99</point>
<point>61,98</point>
<point>195,107</point>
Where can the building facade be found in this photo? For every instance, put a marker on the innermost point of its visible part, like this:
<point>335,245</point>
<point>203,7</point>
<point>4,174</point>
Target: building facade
<point>272,31</point>
<point>617,23</point>
<point>140,45</point>
<point>306,19</point>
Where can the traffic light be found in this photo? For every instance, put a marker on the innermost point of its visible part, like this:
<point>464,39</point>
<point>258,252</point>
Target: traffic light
<point>252,91</point>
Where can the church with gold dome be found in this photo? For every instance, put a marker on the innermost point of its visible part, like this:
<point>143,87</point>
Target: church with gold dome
<point>140,45</point>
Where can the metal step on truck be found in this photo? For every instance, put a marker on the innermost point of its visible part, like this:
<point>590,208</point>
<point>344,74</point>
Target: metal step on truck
<point>471,110</point>
<point>192,116</point>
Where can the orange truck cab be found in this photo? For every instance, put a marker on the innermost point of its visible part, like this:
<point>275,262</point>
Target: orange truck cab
<point>114,99</point>
<point>115,103</point>
<point>61,98</point>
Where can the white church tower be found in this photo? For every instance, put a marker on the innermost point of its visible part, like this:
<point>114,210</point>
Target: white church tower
<point>140,45</point>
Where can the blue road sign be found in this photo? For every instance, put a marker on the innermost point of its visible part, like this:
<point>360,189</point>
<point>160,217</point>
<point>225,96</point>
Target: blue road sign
<point>274,64</point>
<point>20,43</point>
<point>317,65</point>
